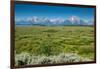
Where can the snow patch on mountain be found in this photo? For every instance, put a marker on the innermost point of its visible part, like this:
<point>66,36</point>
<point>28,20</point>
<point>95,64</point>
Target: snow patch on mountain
<point>73,20</point>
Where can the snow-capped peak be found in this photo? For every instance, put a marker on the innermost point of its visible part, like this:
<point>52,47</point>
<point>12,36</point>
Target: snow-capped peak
<point>74,19</point>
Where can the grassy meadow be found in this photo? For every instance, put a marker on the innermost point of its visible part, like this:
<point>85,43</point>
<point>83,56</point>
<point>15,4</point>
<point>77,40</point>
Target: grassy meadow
<point>53,44</point>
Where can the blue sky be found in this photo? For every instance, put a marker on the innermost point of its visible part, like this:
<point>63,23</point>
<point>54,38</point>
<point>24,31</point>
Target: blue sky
<point>29,10</point>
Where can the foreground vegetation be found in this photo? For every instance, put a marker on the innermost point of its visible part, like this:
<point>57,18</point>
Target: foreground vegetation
<point>48,43</point>
<point>30,59</point>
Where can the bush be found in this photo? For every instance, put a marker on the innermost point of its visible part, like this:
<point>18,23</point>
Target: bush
<point>44,60</point>
<point>67,58</point>
<point>27,59</point>
<point>22,59</point>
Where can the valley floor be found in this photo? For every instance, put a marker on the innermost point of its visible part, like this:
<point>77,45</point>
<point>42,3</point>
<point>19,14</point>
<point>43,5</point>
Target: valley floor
<point>53,44</point>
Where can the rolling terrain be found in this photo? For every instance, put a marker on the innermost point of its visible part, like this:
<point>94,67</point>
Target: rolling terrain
<point>53,44</point>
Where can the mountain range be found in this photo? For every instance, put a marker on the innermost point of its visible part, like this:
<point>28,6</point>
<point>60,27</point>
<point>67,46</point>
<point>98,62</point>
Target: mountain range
<point>73,20</point>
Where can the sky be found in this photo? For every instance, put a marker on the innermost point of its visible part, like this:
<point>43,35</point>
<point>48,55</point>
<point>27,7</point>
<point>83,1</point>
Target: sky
<point>29,10</point>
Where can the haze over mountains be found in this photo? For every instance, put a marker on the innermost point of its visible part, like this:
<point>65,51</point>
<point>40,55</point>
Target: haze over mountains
<point>73,20</point>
